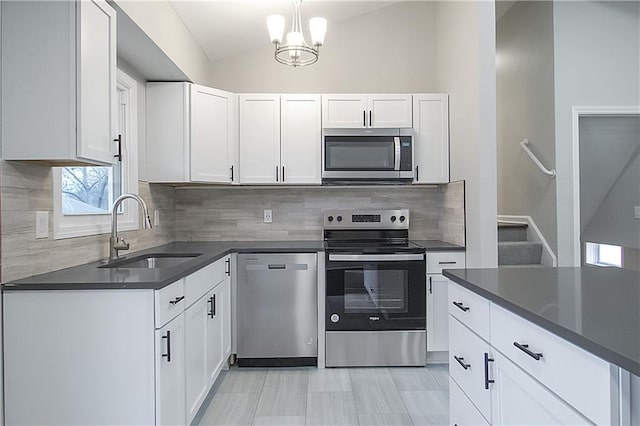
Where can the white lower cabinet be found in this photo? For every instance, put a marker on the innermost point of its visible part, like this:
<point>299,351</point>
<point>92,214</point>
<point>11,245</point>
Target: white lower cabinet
<point>462,412</point>
<point>196,350</point>
<point>170,363</point>
<point>437,313</point>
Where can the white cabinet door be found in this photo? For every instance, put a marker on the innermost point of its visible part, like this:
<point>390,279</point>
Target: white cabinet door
<point>389,111</point>
<point>232,142</point>
<point>518,399</point>
<point>344,111</point>
<point>196,380</point>
<point>170,391</point>
<point>209,135</point>
<point>96,80</point>
<point>431,138</point>
<point>462,412</point>
<point>437,313</point>
<point>214,341</point>
<point>226,311</point>
<point>259,138</point>
<point>301,139</point>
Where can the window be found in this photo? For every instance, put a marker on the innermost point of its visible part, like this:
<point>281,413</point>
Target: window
<point>603,255</point>
<point>83,196</point>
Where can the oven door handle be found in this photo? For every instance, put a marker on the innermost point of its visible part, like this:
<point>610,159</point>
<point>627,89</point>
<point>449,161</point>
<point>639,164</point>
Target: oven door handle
<point>374,257</point>
<point>396,144</point>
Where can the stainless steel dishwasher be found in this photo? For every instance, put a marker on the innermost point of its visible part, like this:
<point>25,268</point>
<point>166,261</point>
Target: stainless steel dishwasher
<point>277,310</point>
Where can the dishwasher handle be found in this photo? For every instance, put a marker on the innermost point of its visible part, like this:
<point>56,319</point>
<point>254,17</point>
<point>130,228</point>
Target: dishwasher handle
<point>277,266</point>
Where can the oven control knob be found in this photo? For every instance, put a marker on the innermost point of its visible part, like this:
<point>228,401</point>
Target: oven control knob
<point>339,218</point>
<point>402,218</point>
<point>335,317</point>
<point>330,218</point>
<point>393,218</point>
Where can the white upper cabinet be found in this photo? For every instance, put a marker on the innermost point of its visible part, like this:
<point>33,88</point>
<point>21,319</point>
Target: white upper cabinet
<point>280,139</point>
<point>431,138</point>
<point>59,82</point>
<point>259,136</point>
<point>301,137</point>
<point>340,111</point>
<point>190,133</point>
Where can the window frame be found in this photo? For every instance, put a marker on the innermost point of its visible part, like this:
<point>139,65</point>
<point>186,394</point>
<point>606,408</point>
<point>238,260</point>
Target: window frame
<point>593,255</point>
<point>80,225</point>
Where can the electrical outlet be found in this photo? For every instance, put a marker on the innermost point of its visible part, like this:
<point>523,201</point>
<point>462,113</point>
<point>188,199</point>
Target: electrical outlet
<point>156,218</point>
<point>636,212</point>
<point>42,224</point>
<point>268,216</point>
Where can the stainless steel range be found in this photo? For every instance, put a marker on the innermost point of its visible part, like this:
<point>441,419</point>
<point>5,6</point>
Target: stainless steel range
<point>375,290</point>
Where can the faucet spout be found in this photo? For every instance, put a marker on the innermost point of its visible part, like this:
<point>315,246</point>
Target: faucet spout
<point>116,243</point>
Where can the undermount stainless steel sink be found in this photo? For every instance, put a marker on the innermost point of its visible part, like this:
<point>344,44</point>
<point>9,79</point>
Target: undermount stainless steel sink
<point>152,261</point>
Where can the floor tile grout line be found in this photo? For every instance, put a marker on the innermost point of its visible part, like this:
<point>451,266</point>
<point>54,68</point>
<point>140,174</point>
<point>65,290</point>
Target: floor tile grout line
<point>255,409</point>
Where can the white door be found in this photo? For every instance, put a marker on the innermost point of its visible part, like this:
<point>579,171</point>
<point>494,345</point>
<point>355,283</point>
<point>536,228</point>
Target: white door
<point>344,111</point>
<point>518,399</point>
<point>209,135</point>
<point>462,412</point>
<point>389,111</point>
<point>214,333</point>
<point>301,137</point>
<point>437,313</point>
<point>170,392</point>
<point>96,81</point>
<point>232,141</point>
<point>226,311</point>
<point>431,138</point>
<point>196,380</point>
<point>259,138</point>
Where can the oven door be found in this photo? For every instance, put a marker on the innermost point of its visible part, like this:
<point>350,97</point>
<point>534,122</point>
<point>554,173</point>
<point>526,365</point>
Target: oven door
<point>375,292</point>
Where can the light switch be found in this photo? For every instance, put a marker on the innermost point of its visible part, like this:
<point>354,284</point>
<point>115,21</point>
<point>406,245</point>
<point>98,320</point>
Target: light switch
<point>636,212</point>
<point>268,216</point>
<point>42,224</point>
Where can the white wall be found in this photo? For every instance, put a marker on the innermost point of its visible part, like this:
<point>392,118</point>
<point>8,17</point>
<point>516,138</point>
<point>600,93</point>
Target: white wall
<point>465,68</point>
<point>597,63</point>
<point>525,101</point>
<point>388,50</point>
<point>163,25</point>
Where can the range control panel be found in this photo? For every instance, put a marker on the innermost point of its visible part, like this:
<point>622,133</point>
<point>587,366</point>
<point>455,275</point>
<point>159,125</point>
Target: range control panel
<point>366,219</point>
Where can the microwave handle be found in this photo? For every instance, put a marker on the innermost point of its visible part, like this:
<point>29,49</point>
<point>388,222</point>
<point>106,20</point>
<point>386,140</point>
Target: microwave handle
<point>396,143</point>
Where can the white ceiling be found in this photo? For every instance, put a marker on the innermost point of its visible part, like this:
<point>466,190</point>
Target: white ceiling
<point>227,27</point>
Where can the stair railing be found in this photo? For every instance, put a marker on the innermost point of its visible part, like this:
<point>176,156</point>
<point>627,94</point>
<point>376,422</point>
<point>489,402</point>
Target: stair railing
<point>543,169</point>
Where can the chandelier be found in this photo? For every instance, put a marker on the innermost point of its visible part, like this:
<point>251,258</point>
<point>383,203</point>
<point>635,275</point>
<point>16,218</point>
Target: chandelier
<point>295,51</point>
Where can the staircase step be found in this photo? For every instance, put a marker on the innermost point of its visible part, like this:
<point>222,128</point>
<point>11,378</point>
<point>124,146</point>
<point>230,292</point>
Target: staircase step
<point>512,231</point>
<point>519,253</point>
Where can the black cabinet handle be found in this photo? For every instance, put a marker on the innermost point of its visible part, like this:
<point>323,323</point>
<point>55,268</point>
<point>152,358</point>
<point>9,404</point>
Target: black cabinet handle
<point>231,173</point>
<point>227,267</point>
<point>526,350</point>
<point>119,154</point>
<point>430,286</point>
<point>370,119</point>
<point>176,300</point>
<point>461,362</point>
<point>168,354</point>
<point>277,174</point>
<point>417,178</point>
<point>448,262</point>
<point>461,306</point>
<point>487,360</point>
<point>283,174</point>
<point>364,118</point>
<point>212,312</point>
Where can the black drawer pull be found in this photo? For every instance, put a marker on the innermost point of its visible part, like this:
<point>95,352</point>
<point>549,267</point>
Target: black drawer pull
<point>448,262</point>
<point>525,349</point>
<point>430,286</point>
<point>487,360</point>
<point>461,362</point>
<point>227,267</point>
<point>212,312</point>
<point>176,300</point>
<point>168,354</point>
<point>460,305</point>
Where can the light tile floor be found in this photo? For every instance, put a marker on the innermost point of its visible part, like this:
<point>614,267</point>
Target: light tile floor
<point>331,396</point>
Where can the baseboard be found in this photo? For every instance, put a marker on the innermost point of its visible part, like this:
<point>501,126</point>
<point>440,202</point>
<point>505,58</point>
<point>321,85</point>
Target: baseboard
<point>534,234</point>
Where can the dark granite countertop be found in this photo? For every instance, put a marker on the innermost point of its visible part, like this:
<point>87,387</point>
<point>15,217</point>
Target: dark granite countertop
<point>597,309</point>
<point>91,276</point>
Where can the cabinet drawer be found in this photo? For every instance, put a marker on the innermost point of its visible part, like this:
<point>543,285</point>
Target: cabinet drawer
<point>169,303</point>
<point>462,412</point>
<point>436,262</point>
<point>580,378</point>
<point>200,282</point>
<point>472,310</point>
<point>467,364</point>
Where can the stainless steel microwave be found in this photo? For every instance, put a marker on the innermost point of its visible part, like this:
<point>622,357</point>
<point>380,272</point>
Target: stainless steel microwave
<point>362,156</point>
